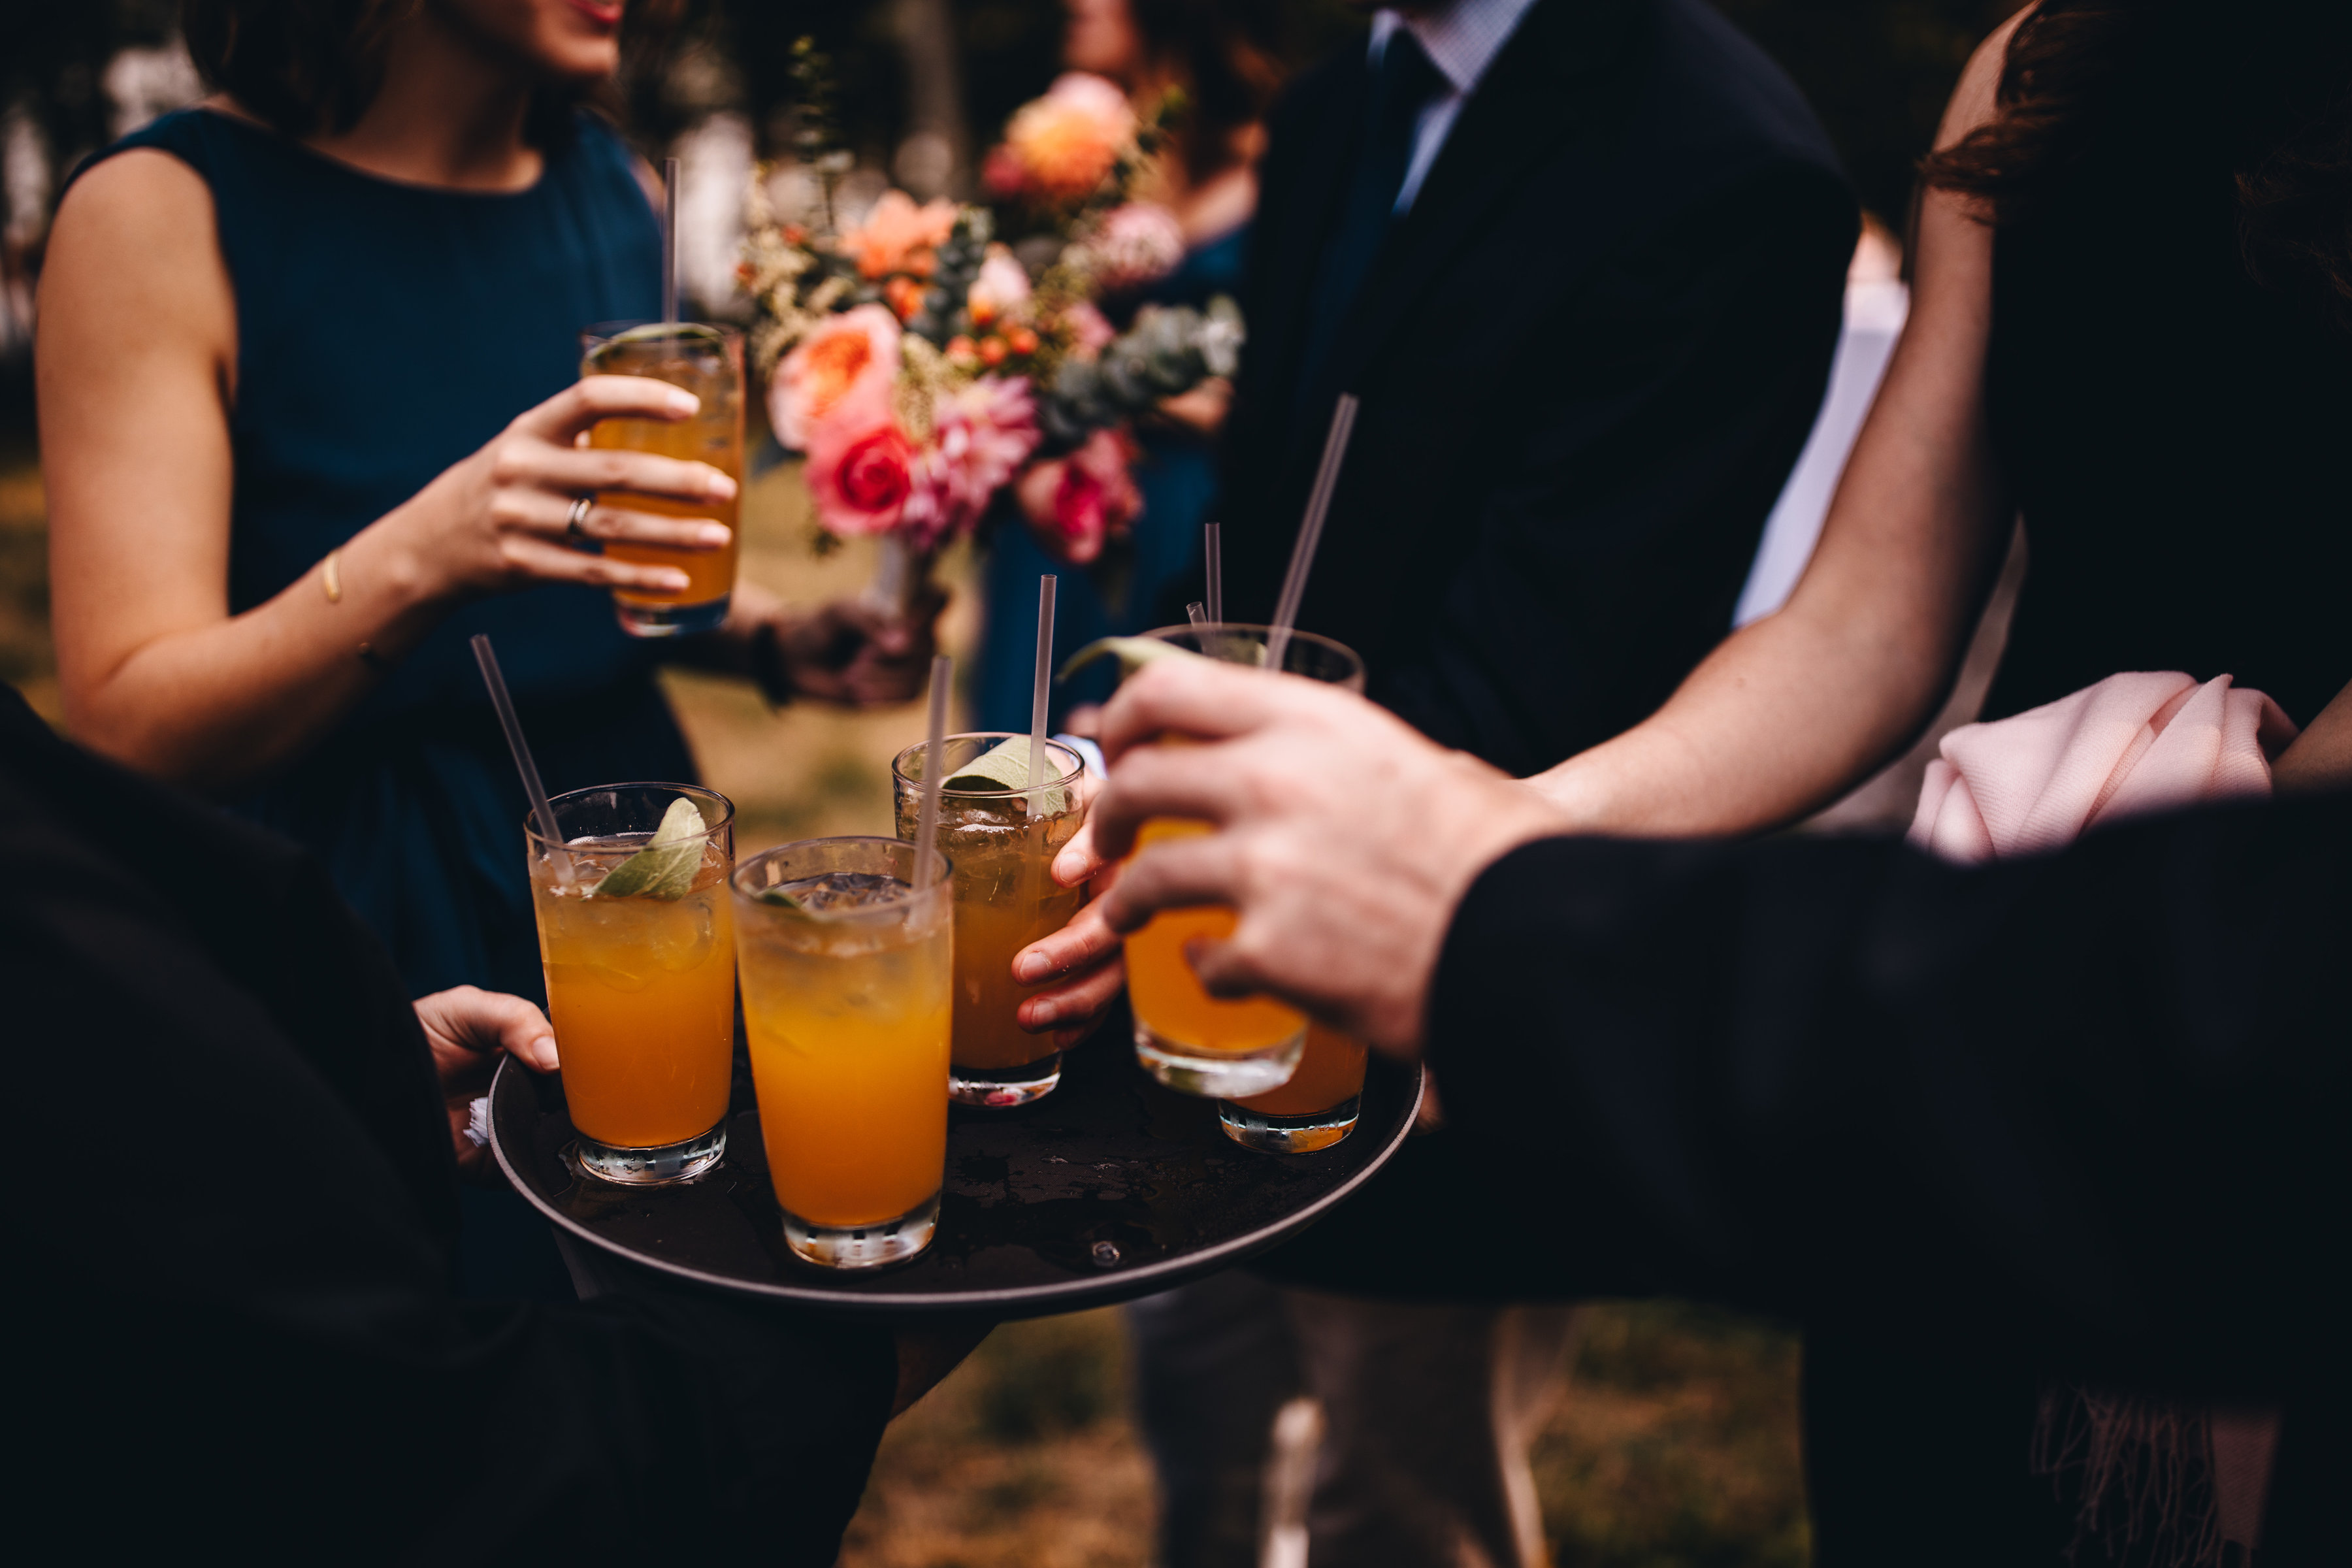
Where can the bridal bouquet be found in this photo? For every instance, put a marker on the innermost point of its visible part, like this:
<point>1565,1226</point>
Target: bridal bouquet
<point>922,366</point>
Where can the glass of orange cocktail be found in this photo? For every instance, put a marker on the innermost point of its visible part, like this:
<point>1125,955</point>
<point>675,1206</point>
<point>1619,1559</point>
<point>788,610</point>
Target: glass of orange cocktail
<point>1314,1110</point>
<point>1003,840</point>
<point>707,360</point>
<point>847,974</point>
<point>638,943</point>
<point>1185,1038</point>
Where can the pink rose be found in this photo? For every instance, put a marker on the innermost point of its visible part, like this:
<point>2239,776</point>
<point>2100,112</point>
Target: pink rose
<point>860,482</point>
<point>1092,497</point>
<point>839,375</point>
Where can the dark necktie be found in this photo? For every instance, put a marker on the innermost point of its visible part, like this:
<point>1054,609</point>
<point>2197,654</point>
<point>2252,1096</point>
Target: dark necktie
<point>1402,85</point>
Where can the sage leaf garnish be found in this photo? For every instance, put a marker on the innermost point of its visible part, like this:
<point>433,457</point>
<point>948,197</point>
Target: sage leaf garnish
<point>666,866</point>
<point>1006,766</point>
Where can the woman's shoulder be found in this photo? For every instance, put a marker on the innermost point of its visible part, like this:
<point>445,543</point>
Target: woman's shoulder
<point>1976,98</point>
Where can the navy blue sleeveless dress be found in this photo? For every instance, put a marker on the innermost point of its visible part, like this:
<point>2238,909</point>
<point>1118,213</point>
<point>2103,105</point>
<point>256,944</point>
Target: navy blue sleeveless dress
<point>385,332</point>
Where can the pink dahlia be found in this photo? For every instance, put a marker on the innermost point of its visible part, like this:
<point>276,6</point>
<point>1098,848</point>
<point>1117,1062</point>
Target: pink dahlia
<point>980,436</point>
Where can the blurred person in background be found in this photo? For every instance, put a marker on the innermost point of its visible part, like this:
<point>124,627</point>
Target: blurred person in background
<point>309,382</point>
<point>1207,51</point>
<point>1581,262</point>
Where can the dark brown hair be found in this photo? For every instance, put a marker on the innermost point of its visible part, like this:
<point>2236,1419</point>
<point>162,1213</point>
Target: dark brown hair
<point>313,66</point>
<point>2062,65</point>
<point>1227,75</point>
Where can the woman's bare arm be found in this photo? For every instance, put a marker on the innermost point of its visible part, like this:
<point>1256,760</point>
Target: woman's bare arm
<point>136,363</point>
<point>1796,708</point>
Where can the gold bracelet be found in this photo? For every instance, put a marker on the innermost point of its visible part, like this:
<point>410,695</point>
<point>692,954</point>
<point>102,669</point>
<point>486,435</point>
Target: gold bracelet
<point>333,576</point>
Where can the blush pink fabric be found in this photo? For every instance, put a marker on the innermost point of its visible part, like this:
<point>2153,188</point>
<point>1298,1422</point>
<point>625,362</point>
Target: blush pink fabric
<point>2133,744</point>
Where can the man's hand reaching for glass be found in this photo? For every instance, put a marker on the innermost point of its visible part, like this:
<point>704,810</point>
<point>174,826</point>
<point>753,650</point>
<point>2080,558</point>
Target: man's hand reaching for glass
<point>1345,839</point>
<point>467,1028</point>
<point>1084,958</point>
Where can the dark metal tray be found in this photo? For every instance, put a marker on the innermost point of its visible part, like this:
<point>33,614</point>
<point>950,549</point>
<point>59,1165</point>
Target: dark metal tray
<point>1109,1188</point>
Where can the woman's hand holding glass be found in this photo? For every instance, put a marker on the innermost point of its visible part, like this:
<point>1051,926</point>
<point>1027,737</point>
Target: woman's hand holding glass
<point>503,519</point>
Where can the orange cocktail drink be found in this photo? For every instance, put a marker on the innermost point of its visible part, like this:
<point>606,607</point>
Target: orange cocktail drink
<point>636,937</point>
<point>846,1004</point>
<point>1188,1039</point>
<point>708,361</point>
<point>1315,1109</point>
<point>1001,836</point>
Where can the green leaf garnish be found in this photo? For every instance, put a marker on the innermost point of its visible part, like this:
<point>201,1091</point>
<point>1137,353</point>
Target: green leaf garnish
<point>666,866</point>
<point>779,896</point>
<point>1132,653</point>
<point>1006,766</point>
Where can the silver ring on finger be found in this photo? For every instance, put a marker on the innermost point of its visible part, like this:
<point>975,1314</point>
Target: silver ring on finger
<point>575,536</point>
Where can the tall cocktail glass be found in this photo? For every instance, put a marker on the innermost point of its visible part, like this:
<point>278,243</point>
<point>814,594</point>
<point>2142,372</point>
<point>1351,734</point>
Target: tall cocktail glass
<point>1314,1110</point>
<point>707,360</point>
<point>640,984</point>
<point>1003,842</point>
<point>1185,1038</point>
<point>846,1000</point>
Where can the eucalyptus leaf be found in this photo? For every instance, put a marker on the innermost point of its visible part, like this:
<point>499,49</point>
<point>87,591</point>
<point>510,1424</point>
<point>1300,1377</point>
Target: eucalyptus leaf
<point>666,867</point>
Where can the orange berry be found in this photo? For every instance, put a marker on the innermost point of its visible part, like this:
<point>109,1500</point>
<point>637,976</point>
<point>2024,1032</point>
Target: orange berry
<point>991,351</point>
<point>1021,340</point>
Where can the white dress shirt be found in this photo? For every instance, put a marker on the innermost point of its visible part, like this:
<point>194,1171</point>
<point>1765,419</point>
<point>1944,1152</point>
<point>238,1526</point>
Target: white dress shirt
<point>1462,40</point>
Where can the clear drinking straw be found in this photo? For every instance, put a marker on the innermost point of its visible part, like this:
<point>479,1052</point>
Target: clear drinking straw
<point>1310,532</point>
<point>927,832</point>
<point>1040,693</point>
<point>541,811</point>
<point>1197,613</point>
<point>670,241</point>
<point>1212,555</point>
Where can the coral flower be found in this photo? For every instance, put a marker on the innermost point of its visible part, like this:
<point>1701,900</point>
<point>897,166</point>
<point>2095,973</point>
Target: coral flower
<point>839,375</point>
<point>899,236</point>
<point>1067,141</point>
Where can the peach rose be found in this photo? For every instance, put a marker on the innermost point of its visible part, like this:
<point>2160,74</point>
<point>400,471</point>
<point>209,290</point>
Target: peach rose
<point>1067,141</point>
<point>839,375</point>
<point>899,236</point>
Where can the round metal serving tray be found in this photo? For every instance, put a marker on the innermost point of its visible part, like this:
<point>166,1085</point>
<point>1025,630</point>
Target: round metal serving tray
<point>1109,1188</point>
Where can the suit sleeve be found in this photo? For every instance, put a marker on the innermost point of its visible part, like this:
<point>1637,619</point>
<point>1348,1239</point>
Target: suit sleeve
<point>236,1325</point>
<point>1680,382</point>
<point>2092,1104</point>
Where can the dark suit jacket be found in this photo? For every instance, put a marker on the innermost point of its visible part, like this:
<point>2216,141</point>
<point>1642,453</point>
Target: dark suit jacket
<point>1588,355</point>
<point>2072,1118</point>
<point>230,1306</point>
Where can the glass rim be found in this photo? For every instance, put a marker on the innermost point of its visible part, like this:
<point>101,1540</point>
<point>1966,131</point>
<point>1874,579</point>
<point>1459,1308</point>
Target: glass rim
<point>1059,781</point>
<point>941,886</point>
<point>726,818</point>
<point>597,334</point>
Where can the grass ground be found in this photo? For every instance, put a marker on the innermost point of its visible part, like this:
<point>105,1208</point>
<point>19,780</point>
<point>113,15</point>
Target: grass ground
<point>1676,1447</point>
